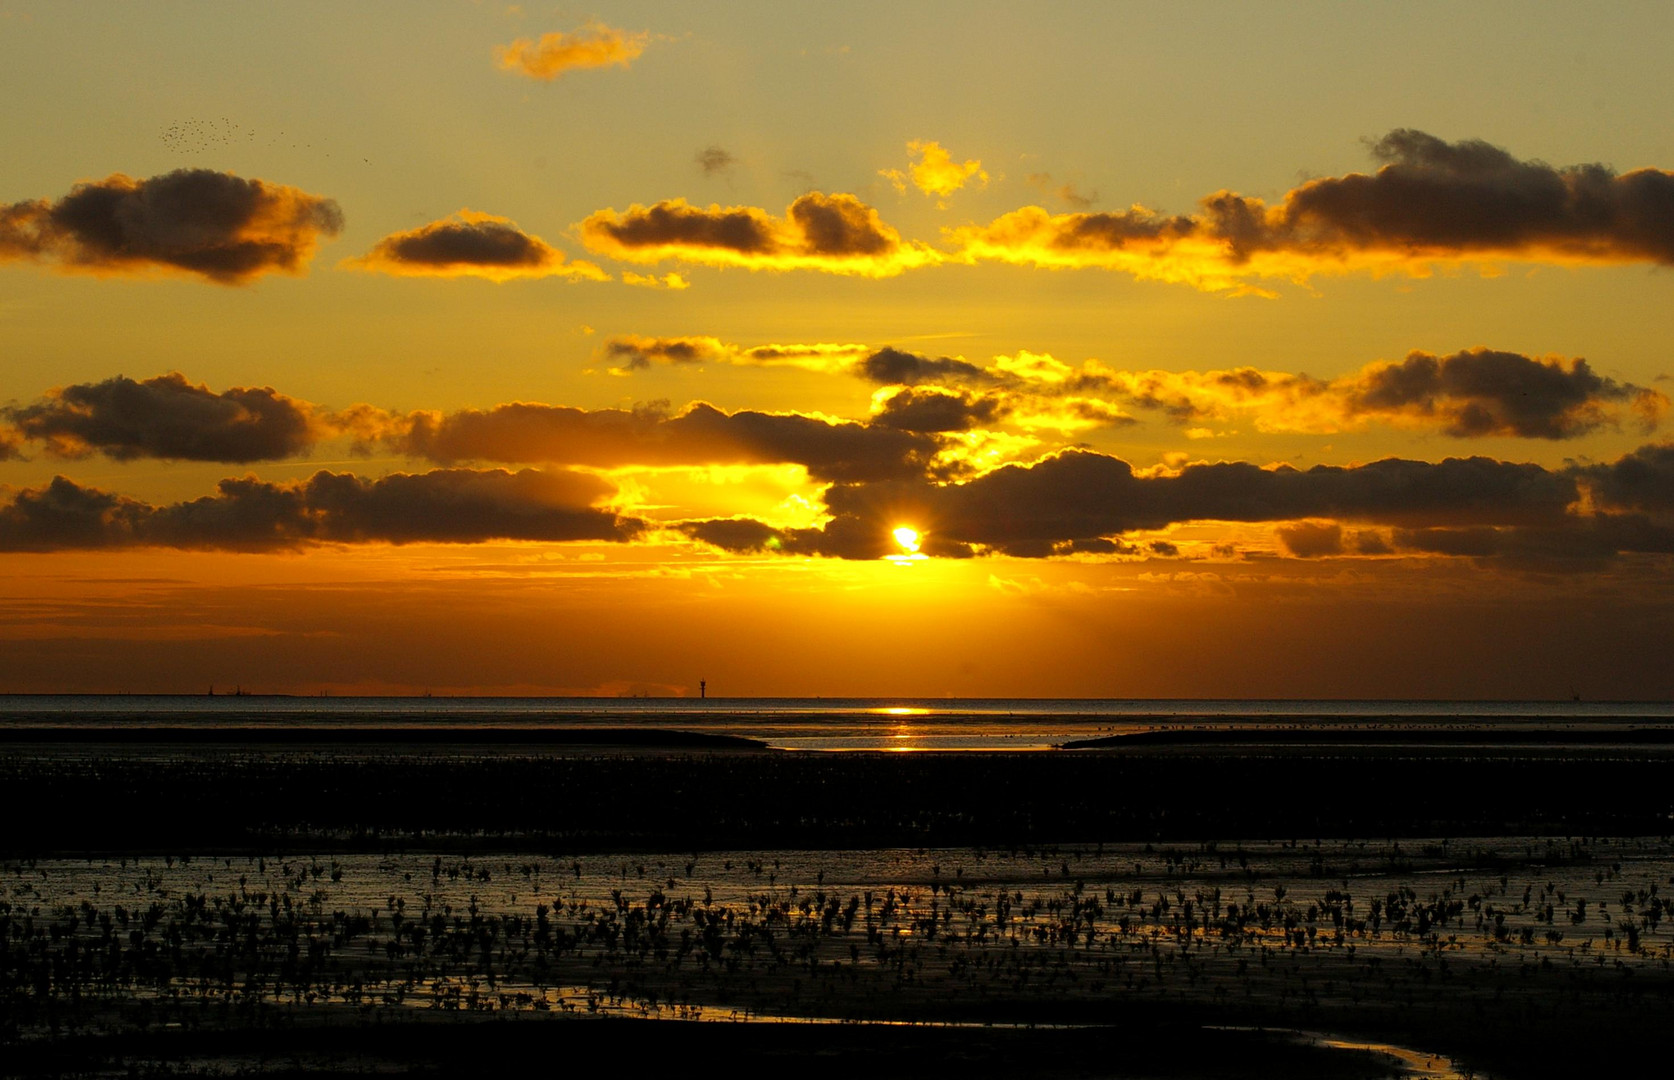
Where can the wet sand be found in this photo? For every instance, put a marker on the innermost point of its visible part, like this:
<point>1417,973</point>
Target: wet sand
<point>1448,901</point>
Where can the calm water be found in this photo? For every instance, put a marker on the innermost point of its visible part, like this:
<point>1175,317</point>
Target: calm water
<point>815,723</point>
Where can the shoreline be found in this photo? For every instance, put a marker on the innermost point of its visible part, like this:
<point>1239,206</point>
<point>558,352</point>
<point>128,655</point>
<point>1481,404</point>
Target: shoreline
<point>429,735</point>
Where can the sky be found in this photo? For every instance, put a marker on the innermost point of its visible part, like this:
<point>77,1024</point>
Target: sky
<point>1053,350</point>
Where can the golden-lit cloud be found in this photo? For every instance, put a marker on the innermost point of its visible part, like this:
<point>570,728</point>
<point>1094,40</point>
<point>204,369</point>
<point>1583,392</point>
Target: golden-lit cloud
<point>1468,394</point>
<point>453,506</point>
<point>944,409</point>
<point>593,46</point>
<point>471,244</point>
<point>1431,202</point>
<point>633,352</point>
<point>209,224</point>
<point>935,172</point>
<point>1080,502</point>
<point>838,234</point>
<point>672,282</point>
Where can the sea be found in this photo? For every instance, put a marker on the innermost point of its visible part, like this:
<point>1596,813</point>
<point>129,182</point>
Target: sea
<point>815,724</point>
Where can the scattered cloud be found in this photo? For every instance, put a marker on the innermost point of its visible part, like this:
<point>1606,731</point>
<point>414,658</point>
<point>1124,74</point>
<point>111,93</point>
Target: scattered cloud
<point>936,409</point>
<point>1472,393</point>
<point>935,172</point>
<point>1430,202</point>
<point>715,160</point>
<point>891,365</point>
<point>199,222</point>
<point>1065,192</point>
<point>672,282</point>
<point>634,352</point>
<point>835,233</point>
<point>168,417</point>
<point>1485,392</point>
<point>592,46</point>
<point>1311,539</point>
<point>472,244</point>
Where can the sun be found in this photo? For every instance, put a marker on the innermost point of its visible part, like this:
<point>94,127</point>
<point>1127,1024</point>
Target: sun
<point>909,540</point>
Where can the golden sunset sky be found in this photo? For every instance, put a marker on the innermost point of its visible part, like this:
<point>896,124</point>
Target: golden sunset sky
<point>1220,350</point>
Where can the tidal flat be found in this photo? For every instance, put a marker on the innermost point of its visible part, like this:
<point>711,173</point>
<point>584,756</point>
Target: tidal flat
<point>1170,912</point>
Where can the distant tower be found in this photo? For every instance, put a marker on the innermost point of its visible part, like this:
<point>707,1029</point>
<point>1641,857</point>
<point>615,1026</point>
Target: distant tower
<point>703,689</point>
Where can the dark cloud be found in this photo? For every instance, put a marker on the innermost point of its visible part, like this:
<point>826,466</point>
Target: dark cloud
<point>444,506</point>
<point>636,352</point>
<point>835,233</point>
<point>1582,543</point>
<point>1323,539</point>
<point>841,226</point>
<point>1082,496</point>
<point>890,366</point>
<point>676,224</point>
<point>1468,394</point>
<point>734,534</point>
<point>198,221</point>
<point>702,435</point>
<point>1642,480</point>
<point>1311,539</point>
<point>1118,228</point>
<point>1479,542</point>
<point>1470,196</point>
<point>65,515</point>
<point>471,244</point>
<point>714,159</point>
<point>1371,542</point>
<point>1096,546</point>
<point>1486,392</point>
<point>168,417</point>
<point>1472,393</point>
<point>478,243</point>
<point>1430,200</point>
<point>931,409</point>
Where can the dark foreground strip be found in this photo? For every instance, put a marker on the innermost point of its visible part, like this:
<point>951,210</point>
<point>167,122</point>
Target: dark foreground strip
<point>1386,736</point>
<point>357,735</point>
<point>58,799</point>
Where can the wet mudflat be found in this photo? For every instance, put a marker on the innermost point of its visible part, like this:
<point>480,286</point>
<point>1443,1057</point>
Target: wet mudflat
<point>276,900</point>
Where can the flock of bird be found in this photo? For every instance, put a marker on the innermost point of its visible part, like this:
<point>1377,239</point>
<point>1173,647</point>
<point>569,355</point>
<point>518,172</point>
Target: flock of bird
<point>195,136</point>
<point>927,936</point>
